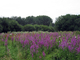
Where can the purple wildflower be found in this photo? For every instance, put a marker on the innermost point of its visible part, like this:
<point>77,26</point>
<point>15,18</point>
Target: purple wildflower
<point>70,48</point>
<point>78,49</point>
<point>43,53</point>
<point>39,56</point>
<point>12,38</point>
<point>6,43</point>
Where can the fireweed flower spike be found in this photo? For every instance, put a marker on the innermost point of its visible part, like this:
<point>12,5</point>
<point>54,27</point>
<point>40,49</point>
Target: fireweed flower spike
<point>39,56</point>
<point>78,49</point>
<point>2,39</point>
<point>6,43</point>
<point>43,53</point>
<point>12,38</point>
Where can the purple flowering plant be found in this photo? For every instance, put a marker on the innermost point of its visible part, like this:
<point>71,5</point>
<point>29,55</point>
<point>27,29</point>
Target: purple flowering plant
<point>40,45</point>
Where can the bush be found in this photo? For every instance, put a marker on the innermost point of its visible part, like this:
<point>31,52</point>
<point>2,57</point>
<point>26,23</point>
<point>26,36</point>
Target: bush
<point>15,26</point>
<point>37,27</point>
<point>29,27</point>
<point>51,29</point>
<point>44,27</point>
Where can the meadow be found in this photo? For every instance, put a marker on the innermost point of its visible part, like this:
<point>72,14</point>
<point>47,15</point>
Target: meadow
<point>40,45</point>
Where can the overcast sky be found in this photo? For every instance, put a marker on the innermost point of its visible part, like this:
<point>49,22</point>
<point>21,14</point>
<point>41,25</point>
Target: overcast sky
<point>51,8</point>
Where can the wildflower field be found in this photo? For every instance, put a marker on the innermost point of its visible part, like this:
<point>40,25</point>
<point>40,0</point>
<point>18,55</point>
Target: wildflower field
<point>40,46</point>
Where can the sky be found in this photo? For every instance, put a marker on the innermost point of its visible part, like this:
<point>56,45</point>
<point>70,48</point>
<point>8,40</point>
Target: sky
<point>51,8</point>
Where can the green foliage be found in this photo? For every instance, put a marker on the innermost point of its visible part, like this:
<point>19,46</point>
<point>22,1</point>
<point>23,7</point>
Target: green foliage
<point>47,28</point>
<point>40,20</point>
<point>51,29</point>
<point>1,28</point>
<point>30,23</point>
<point>44,20</point>
<point>5,24</point>
<point>77,32</point>
<point>9,25</point>
<point>37,27</point>
<point>30,20</point>
<point>29,27</point>
<point>14,26</point>
<point>68,23</point>
<point>44,27</point>
<point>20,20</point>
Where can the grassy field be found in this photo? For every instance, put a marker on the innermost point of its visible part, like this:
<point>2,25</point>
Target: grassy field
<point>40,45</point>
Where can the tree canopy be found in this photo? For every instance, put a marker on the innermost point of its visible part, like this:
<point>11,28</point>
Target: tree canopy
<point>30,23</point>
<point>40,20</point>
<point>68,23</point>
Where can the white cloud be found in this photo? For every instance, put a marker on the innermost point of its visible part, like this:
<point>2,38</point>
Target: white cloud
<point>52,8</point>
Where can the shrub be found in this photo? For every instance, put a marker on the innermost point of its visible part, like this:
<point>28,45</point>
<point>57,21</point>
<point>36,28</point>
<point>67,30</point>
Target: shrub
<point>51,29</point>
<point>37,27</point>
<point>15,26</point>
<point>29,27</point>
<point>44,27</point>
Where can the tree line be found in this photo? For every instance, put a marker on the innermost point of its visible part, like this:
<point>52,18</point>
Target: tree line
<point>68,22</point>
<point>30,23</point>
<point>39,20</point>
